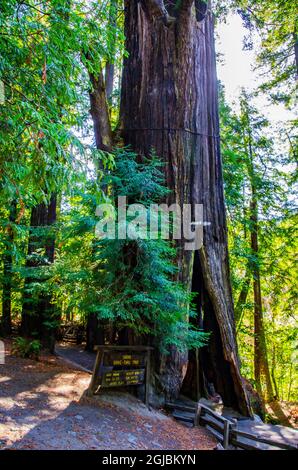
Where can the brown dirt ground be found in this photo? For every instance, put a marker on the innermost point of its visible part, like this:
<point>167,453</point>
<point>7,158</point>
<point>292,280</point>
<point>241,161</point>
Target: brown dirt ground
<point>43,406</point>
<point>285,413</point>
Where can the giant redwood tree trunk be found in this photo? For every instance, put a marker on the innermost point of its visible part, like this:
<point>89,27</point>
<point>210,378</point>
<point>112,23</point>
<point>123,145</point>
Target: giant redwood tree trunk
<point>169,104</point>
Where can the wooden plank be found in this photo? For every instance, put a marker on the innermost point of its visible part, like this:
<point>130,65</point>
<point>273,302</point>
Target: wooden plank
<point>238,434</point>
<point>184,416</point>
<point>178,406</point>
<point>246,444</point>
<point>213,422</point>
<point>215,433</point>
<point>226,434</point>
<point>215,415</point>
<point>204,410</point>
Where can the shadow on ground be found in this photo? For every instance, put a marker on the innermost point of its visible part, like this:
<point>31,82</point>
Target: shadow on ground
<point>43,406</point>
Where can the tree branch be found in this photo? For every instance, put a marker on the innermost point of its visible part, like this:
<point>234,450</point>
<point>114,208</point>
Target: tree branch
<point>157,9</point>
<point>100,113</point>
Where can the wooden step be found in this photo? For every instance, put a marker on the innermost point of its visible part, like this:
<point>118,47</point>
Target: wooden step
<point>185,416</point>
<point>249,444</point>
<point>180,406</point>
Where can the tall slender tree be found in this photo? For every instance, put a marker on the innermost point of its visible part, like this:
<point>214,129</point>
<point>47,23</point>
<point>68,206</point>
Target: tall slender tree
<point>8,270</point>
<point>261,365</point>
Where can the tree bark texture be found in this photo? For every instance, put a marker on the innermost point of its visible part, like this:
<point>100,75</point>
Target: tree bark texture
<point>170,105</point>
<point>100,112</point>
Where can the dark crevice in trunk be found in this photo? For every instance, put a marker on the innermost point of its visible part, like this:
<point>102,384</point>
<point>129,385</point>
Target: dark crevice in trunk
<point>215,374</point>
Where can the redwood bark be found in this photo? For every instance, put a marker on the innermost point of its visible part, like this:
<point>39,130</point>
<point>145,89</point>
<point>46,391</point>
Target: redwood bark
<point>169,104</point>
<point>100,112</point>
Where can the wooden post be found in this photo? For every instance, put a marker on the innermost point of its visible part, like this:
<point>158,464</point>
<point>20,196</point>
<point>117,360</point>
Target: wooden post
<point>226,436</point>
<point>97,364</point>
<point>197,415</point>
<point>233,429</point>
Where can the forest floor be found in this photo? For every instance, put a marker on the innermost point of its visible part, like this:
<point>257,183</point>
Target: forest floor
<point>281,412</point>
<point>43,406</point>
<point>284,414</point>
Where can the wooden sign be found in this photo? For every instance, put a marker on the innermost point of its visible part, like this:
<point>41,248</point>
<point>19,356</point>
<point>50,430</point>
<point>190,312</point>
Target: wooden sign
<point>123,359</point>
<point>119,378</point>
<point>121,366</point>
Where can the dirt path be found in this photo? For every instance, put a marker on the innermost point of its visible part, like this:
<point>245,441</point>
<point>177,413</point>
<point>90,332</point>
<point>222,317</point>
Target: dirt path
<point>76,354</point>
<point>43,406</point>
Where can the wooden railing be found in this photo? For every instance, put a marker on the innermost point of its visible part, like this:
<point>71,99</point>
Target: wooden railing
<point>225,430</point>
<point>229,434</point>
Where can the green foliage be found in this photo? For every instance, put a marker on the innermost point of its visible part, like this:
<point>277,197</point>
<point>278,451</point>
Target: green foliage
<point>131,283</point>
<point>276,23</point>
<point>44,118</point>
<point>43,68</point>
<point>26,348</point>
<point>275,192</point>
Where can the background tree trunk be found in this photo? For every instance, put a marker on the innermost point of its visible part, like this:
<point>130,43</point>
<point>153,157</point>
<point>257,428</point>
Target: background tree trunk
<point>240,305</point>
<point>261,365</point>
<point>110,65</point>
<point>38,311</point>
<point>103,139</point>
<point>169,104</point>
<point>7,272</point>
